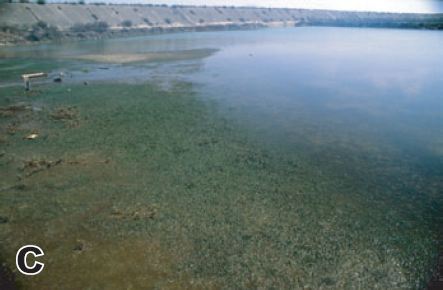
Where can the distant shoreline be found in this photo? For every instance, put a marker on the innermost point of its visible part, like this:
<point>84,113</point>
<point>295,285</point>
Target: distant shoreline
<point>33,23</point>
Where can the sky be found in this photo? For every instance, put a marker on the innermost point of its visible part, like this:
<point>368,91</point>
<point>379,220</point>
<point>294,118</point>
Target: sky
<point>419,6</point>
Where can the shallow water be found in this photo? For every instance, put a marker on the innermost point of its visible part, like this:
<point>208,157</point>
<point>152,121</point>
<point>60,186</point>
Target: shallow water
<point>286,158</point>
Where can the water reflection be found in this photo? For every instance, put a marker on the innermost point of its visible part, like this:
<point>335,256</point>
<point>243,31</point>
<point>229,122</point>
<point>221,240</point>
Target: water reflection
<point>316,159</point>
<point>387,83</point>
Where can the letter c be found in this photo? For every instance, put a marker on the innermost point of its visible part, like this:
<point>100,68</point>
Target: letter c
<point>21,260</point>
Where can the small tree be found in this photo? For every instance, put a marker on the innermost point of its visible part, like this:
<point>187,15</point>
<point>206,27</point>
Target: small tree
<point>42,31</point>
<point>98,26</point>
<point>41,2</point>
<point>146,20</point>
<point>127,23</point>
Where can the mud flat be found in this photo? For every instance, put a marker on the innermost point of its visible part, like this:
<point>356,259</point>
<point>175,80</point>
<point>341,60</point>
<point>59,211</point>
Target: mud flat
<point>121,58</point>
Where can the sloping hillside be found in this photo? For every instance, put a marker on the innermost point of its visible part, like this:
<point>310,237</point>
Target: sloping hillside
<point>79,20</point>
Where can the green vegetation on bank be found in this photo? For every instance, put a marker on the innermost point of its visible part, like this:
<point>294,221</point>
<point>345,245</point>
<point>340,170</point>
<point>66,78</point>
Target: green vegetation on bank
<point>98,26</point>
<point>42,31</point>
<point>127,23</point>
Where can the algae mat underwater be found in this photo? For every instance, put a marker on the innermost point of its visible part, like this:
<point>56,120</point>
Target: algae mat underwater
<point>154,185</point>
<point>152,189</point>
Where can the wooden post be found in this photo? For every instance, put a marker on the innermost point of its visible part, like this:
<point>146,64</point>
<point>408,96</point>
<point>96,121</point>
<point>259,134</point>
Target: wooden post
<point>27,84</point>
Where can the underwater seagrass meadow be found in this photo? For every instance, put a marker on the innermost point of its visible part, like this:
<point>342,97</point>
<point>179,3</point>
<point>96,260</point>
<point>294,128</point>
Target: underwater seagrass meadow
<point>296,158</point>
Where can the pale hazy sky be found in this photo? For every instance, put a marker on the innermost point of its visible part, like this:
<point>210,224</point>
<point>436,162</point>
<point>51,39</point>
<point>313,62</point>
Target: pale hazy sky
<point>424,6</point>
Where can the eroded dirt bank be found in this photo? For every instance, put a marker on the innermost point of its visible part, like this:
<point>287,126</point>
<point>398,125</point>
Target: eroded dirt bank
<point>20,23</point>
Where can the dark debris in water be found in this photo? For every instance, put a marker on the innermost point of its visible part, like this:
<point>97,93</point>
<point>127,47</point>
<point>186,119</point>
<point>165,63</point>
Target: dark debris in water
<point>137,212</point>
<point>81,246</point>
<point>69,115</point>
<point>64,113</point>
<point>12,110</point>
<point>12,128</point>
<point>30,167</point>
<point>4,219</point>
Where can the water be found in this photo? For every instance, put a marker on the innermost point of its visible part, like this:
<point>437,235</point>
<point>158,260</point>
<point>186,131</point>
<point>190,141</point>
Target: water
<point>278,158</point>
<point>386,80</point>
<point>336,89</point>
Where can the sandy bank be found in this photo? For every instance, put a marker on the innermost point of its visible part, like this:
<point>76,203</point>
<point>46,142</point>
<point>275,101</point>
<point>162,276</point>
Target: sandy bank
<point>122,58</point>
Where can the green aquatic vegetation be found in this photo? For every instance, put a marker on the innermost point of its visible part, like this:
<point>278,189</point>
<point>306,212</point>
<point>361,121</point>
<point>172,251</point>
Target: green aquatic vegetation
<point>156,189</point>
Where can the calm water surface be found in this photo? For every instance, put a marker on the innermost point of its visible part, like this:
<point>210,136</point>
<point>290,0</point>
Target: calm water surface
<point>361,108</point>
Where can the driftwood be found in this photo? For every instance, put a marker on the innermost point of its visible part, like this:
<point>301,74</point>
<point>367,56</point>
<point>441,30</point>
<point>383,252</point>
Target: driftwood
<point>27,77</point>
